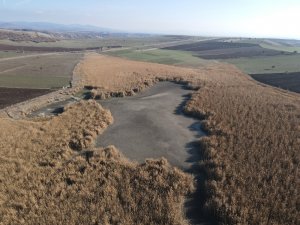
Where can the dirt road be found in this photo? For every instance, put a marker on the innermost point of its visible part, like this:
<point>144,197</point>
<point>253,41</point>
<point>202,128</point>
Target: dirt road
<point>28,56</point>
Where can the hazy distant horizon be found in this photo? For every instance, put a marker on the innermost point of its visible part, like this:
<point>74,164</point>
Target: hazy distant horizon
<point>215,18</point>
<point>149,33</point>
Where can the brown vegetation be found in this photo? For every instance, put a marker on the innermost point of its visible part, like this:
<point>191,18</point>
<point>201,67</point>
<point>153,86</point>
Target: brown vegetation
<point>50,174</point>
<point>252,152</point>
<point>252,148</point>
<point>110,76</point>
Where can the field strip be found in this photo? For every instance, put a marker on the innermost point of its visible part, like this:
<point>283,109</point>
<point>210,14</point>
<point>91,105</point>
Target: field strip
<point>28,56</point>
<point>146,50</point>
<point>177,42</point>
<point>152,46</point>
<point>21,109</point>
<point>116,49</point>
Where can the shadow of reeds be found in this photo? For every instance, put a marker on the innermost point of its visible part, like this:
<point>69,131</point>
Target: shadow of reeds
<point>194,204</point>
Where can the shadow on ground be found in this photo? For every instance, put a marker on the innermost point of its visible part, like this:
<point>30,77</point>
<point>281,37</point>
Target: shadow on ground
<point>195,203</point>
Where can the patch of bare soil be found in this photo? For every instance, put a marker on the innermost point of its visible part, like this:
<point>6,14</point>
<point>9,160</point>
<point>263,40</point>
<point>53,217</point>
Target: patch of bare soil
<point>287,81</point>
<point>9,96</point>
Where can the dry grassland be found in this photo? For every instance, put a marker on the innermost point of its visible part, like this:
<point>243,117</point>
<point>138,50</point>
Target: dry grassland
<point>253,143</point>
<point>252,153</point>
<point>111,76</point>
<point>50,174</point>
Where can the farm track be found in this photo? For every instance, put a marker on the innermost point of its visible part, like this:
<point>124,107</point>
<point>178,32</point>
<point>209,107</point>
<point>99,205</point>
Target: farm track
<point>27,56</point>
<point>12,69</point>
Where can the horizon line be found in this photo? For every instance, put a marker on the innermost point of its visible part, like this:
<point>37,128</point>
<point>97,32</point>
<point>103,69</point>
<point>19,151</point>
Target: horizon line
<point>122,31</point>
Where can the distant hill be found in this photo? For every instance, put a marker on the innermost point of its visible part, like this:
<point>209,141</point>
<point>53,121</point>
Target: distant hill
<point>33,36</point>
<point>48,32</point>
<point>53,27</point>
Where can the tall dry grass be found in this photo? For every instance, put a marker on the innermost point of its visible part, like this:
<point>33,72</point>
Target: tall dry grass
<point>251,155</point>
<point>253,145</point>
<point>251,152</point>
<point>50,174</point>
<point>117,77</point>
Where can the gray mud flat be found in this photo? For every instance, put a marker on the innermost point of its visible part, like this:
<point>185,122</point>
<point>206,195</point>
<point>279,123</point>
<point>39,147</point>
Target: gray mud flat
<point>152,125</point>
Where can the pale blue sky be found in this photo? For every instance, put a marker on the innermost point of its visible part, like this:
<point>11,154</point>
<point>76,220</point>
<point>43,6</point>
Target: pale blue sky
<point>260,18</point>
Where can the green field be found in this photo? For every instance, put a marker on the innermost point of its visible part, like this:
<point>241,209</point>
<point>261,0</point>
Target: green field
<point>281,47</point>
<point>102,42</point>
<point>44,71</point>
<point>267,43</point>
<point>168,57</point>
<point>90,43</point>
<point>8,54</point>
<point>250,65</point>
<point>271,64</point>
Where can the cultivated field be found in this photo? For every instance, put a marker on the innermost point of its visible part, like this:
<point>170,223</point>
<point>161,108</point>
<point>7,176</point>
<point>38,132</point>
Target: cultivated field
<point>275,44</point>
<point>23,77</point>
<point>252,56</point>
<point>279,71</point>
<point>9,96</point>
<point>44,49</point>
<point>169,57</point>
<point>273,64</point>
<point>8,54</point>
<point>45,71</point>
<point>251,153</point>
<point>286,48</point>
<point>94,43</point>
<point>224,50</point>
<point>288,81</point>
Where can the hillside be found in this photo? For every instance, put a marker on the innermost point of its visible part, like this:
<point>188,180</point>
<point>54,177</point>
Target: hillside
<point>33,36</point>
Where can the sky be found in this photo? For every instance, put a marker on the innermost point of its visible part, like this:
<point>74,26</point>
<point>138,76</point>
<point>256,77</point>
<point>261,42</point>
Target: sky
<point>239,18</point>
